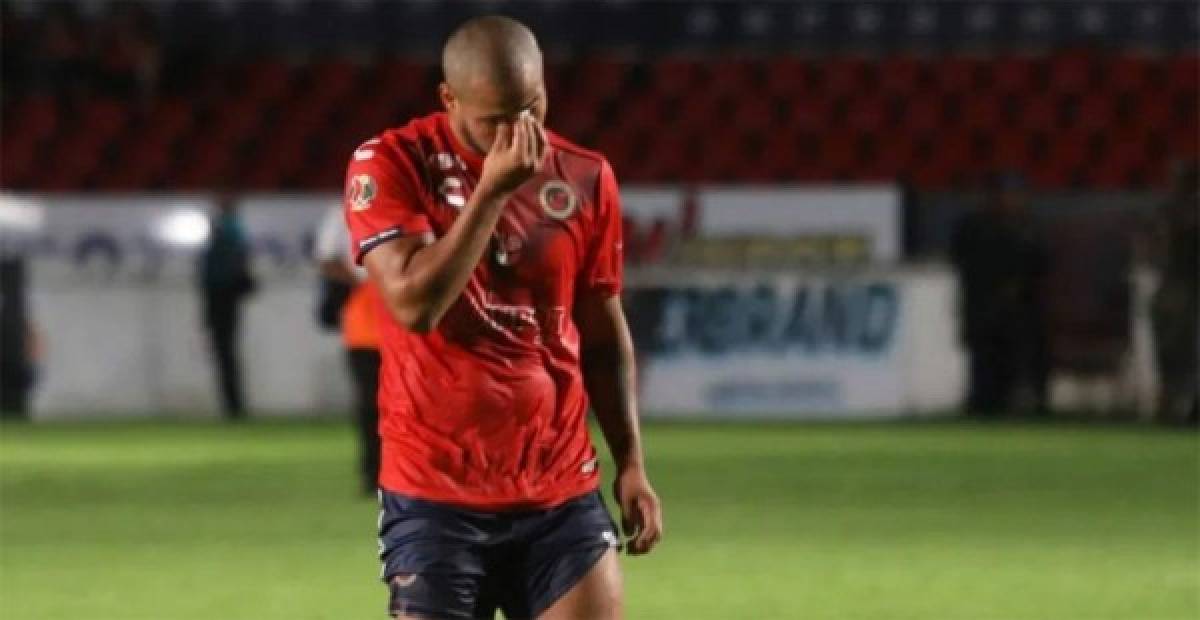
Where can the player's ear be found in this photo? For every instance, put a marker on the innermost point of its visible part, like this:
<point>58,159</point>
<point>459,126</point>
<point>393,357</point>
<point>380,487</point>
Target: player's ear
<point>447,97</point>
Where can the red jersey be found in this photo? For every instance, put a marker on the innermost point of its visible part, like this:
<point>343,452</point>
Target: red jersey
<point>488,410</point>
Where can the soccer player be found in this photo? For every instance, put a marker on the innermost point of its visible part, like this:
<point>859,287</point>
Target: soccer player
<point>496,246</point>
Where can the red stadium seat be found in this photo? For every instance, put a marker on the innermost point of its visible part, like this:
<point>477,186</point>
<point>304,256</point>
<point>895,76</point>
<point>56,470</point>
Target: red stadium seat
<point>605,76</point>
<point>809,113</point>
<point>103,118</point>
<point>169,119</point>
<point>844,76</point>
<point>677,76</point>
<point>788,78</point>
<point>18,158</point>
<point>1126,73</point>
<point>1183,73</point>
<point>1071,149</point>
<point>1039,112</point>
<point>868,113</point>
<point>1011,150</point>
<point>1014,74</point>
<point>1094,113</point>
<point>35,118</point>
<point>265,80</point>
<point>1071,72</point>
<point>901,74</point>
<point>956,74</point>
<point>735,76</point>
<point>983,110</point>
<point>755,114</point>
<point>1113,171</point>
<point>1153,112</point>
<point>329,80</point>
<point>924,112</point>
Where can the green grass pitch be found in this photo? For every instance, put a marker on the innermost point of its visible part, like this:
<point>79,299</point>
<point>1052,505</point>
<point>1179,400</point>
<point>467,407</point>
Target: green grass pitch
<point>174,521</point>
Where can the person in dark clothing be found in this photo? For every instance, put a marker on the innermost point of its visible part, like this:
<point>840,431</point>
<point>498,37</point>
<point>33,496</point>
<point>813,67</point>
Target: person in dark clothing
<point>225,283</point>
<point>18,341</point>
<point>1001,261</point>
<point>1175,307</point>
<point>356,319</point>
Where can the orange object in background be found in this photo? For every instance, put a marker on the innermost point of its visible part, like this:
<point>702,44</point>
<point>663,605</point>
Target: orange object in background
<point>360,317</point>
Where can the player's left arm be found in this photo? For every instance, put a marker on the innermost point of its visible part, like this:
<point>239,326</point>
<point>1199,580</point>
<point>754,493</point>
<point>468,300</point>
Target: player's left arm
<point>610,371</point>
<point>610,376</point>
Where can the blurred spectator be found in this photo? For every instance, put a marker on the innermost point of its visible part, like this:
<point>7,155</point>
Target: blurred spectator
<point>357,320</point>
<point>226,281</point>
<point>19,343</point>
<point>1001,261</point>
<point>60,64</point>
<point>128,55</point>
<point>1175,309</point>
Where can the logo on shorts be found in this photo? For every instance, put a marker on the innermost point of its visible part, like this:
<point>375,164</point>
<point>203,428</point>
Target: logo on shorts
<point>588,466</point>
<point>558,200</point>
<point>360,192</point>
<point>609,538</point>
<point>404,581</point>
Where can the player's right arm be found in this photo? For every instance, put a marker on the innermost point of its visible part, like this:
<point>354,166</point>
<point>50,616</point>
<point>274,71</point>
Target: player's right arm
<point>420,279</point>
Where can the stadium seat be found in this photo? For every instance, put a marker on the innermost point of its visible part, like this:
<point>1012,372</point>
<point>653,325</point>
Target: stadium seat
<point>1127,73</point>
<point>600,75</point>
<point>901,74</point>
<point>788,78</point>
<point>868,113</point>
<point>103,118</point>
<point>924,111</point>
<point>676,76</point>
<point>843,76</point>
<point>1014,75</point>
<point>1071,72</point>
<point>265,80</point>
<point>956,74</point>
<point>35,118</point>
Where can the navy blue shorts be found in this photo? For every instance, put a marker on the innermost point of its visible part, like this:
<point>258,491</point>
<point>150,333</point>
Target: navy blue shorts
<point>445,562</point>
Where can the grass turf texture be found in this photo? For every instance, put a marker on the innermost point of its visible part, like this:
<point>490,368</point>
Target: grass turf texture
<point>173,521</point>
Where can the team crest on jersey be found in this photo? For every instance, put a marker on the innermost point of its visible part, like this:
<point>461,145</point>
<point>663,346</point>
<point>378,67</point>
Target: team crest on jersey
<point>361,191</point>
<point>558,200</point>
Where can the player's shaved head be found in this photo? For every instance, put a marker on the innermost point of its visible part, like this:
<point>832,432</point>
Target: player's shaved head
<point>493,52</point>
<point>493,72</point>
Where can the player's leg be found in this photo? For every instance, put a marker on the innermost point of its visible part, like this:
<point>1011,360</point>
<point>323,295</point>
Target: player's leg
<point>569,567</point>
<point>597,596</point>
<point>432,560</point>
<point>364,368</point>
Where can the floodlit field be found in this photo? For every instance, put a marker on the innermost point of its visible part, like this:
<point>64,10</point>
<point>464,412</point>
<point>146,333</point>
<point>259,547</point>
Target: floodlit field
<point>205,521</point>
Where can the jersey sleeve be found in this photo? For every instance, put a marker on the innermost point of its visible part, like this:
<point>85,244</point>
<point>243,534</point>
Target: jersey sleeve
<point>382,200</point>
<point>603,271</point>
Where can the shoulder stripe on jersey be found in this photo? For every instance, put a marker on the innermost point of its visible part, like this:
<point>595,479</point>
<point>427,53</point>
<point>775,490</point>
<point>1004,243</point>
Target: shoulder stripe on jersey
<point>366,245</point>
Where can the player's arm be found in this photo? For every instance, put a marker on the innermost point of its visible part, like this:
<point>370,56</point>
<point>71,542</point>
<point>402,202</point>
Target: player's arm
<point>420,281</point>
<point>610,376</point>
<point>610,370</point>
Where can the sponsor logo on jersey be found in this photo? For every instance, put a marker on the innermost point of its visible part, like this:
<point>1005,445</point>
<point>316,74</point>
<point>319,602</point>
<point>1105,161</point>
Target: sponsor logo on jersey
<point>558,200</point>
<point>360,192</point>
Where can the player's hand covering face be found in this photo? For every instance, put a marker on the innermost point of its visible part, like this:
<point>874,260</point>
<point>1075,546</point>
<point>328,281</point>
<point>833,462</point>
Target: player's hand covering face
<point>516,154</point>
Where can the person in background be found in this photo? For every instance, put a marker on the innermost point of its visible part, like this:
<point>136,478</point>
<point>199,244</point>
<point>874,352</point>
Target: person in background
<point>1001,261</point>
<point>357,322</point>
<point>1175,309</point>
<point>226,281</point>
<point>20,347</point>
